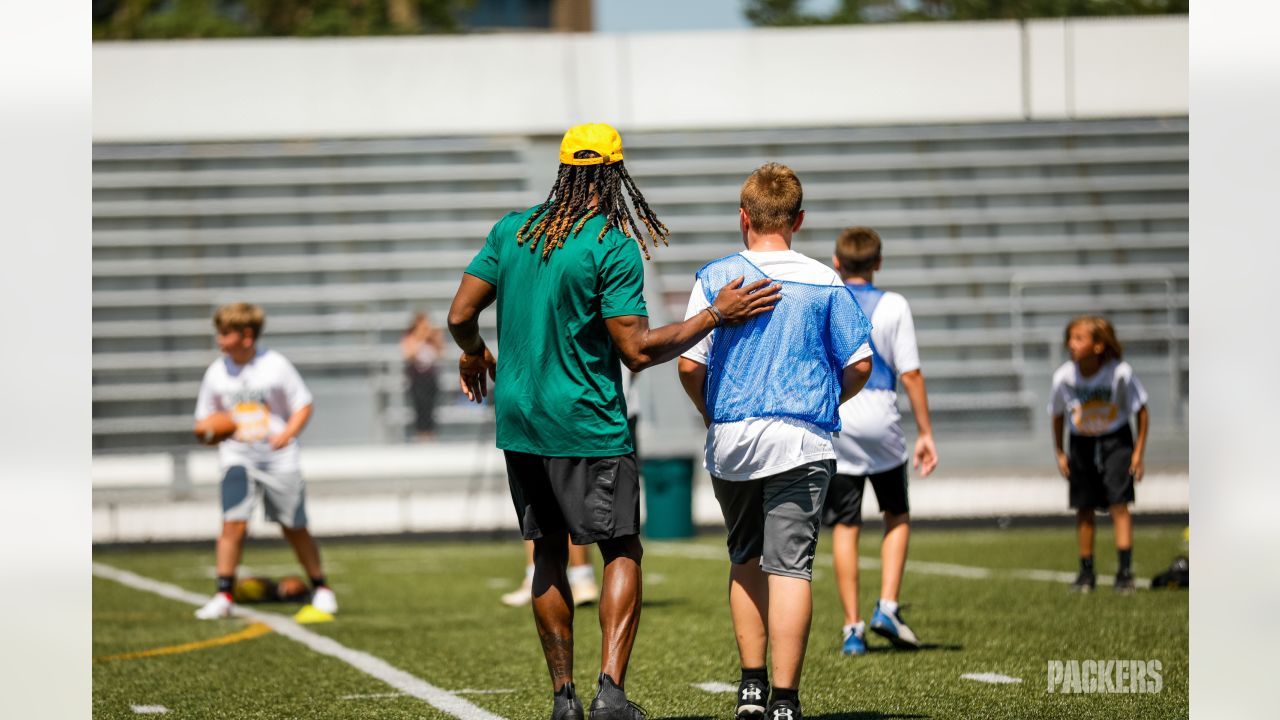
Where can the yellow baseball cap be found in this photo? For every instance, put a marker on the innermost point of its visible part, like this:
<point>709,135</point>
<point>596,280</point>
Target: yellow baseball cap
<point>599,137</point>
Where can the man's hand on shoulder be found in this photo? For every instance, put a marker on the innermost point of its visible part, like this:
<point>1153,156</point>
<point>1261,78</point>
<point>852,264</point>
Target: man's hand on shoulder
<point>471,374</point>
<point>737,303</point>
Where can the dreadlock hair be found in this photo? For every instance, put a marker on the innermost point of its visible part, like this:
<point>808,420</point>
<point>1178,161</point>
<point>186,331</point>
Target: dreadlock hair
<point>568,207</point>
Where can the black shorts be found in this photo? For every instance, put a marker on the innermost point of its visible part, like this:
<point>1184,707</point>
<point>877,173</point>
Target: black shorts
<point>844,497</point>
<point>1100,470</point>
<point>590,499</point>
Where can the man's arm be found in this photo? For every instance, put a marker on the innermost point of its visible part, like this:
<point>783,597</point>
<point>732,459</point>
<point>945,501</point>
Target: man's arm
<point>693,376</point>
<point>1064,465</point>
<point>925,457</point>
<point>297,421</point>
<point>853,378</point>
<point>1136,468</point>
<point>473,296</point>
<point>641,346</point>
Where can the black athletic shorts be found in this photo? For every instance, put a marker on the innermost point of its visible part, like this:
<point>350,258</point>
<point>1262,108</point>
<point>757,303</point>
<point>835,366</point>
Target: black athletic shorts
<point>844,496</point>
<point>591,499</point>
<point>1100,470</point>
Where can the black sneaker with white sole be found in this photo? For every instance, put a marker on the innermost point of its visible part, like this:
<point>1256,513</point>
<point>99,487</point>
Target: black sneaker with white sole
<point>611,703</point>
<point>1124,583</point>
<point>753,695</point>
<point>783,710</point>
<point>566,705</point>
<point>1086,582</point>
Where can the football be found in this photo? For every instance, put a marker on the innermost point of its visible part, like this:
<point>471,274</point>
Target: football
<point>292,588</point>
<point>215,428</point>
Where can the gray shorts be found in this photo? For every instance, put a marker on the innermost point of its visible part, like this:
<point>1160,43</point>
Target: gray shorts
<point>775,518</point>
<point>282,494</point>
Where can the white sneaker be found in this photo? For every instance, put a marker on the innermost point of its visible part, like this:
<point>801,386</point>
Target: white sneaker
<point>217,607</point>
<point>522,595</point>
<point>324,599</point>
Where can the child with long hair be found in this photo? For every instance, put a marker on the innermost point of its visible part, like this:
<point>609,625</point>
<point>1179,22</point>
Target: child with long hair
<point>1099,392</point>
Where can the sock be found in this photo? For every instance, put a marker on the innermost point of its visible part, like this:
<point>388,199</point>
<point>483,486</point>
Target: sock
<point>566,691</point>
<point>580,573</point>
<point>1086,564</point>
<point>1126,559</point>
<point>780,694</point>
<point>227,584</point>
<point>319,582</point>
<point>889,606</point>
<point>759,673</point>
<point>859,628</point>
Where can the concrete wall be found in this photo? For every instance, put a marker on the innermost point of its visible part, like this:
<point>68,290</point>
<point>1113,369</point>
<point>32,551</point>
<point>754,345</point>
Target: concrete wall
<point>532,84</point>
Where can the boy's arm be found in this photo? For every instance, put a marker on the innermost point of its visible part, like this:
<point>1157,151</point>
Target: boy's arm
<point>693,375</point>
<point>1064,466</point>
<point>853,378</point>
<point>1136,468</point>
<point>925,457</point>
<point>297,421</point>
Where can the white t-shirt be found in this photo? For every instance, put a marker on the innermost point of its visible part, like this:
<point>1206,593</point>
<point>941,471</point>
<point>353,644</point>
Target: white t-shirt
<point>260,395</point>
<point>759,447</point>
<point>1098,404</point>
<point>871,438</point>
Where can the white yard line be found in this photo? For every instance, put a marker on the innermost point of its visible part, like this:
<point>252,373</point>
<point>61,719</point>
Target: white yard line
<point>442,700</point>
<point>993,678</point>
<point>715,687</point>
<point>971,572</point>
<point>149,709</point>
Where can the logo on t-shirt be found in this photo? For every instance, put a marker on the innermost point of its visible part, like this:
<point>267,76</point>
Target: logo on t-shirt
<point>249,408</point>
<point>1095,411</point>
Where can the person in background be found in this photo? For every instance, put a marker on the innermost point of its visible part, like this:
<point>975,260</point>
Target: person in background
<point>421,347</point>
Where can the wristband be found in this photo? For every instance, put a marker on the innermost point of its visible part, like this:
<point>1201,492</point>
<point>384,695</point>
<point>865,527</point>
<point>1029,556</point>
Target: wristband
<point>716,315</point>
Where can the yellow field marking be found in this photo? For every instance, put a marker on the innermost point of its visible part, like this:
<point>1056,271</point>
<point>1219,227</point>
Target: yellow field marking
<point>255,630</point>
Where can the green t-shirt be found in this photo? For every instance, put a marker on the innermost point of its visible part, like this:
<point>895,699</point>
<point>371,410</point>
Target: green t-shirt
<point>559,384</point>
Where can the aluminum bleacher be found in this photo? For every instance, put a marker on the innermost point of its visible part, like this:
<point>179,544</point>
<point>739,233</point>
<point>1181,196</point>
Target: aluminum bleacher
<point>996,233</point>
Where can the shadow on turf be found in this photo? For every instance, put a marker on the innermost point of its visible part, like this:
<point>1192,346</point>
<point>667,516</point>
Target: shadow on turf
<point>924,647</point>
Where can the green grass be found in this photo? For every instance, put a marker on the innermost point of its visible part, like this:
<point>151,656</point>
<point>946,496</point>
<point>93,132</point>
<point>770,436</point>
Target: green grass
<point>431,609</point>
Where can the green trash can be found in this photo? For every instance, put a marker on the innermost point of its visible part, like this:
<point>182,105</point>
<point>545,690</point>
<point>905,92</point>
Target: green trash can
<point>668,497</point>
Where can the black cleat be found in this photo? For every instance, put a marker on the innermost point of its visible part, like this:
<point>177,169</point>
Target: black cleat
<point>1124,583</point>
<point>1086,582</point>
<point>566,705</point>
<point>611,703</point>
<point>783,710</point>
<point>752,696</point>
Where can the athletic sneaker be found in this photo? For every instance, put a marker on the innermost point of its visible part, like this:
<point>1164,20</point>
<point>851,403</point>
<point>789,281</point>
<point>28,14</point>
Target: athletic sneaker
<point>522,595</point>
<point>854,641</point>
<point>566,705</point>
<point>783,710</point>
<point>585,592</point>
<point>1124,583</point>
<point>891,627</point>
<point>219,606</point>
<point>611,703</point>
<point>752,696</point>
<point>323,599</point>
<point>1086,582</point>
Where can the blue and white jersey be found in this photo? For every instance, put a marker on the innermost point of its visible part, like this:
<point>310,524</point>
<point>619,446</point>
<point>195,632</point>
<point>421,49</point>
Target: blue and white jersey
<point>871,438</point>
<point>756,447</point>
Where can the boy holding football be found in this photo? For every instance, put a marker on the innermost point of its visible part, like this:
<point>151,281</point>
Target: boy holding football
<point>271,405</point>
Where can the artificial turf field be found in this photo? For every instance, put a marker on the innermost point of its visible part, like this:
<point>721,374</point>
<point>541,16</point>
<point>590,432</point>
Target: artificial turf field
<point>431,609</point>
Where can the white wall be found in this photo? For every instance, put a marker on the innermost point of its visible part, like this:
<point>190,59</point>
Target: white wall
<point>492,84</point>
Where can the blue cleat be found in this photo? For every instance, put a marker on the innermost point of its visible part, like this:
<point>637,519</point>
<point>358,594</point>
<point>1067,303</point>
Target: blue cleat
<point>892,628</point>
<point>854,644</point>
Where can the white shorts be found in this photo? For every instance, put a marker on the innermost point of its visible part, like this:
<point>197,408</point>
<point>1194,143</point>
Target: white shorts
<point>282,493</point>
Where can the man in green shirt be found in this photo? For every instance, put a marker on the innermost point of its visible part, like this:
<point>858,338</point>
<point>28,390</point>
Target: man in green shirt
<point>569,285</point>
